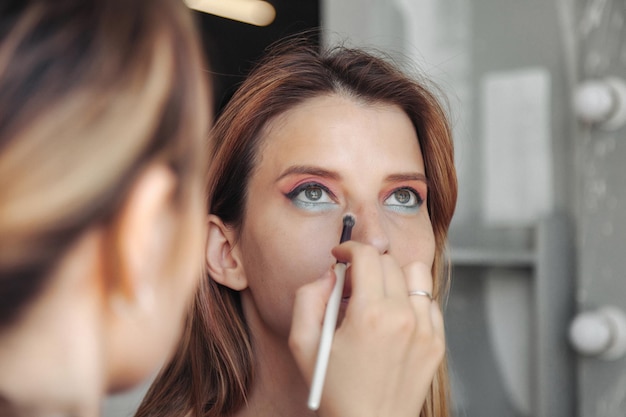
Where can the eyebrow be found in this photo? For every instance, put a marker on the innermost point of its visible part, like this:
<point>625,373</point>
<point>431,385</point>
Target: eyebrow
<point>324,173</point>
<point>309,170</point>
<point>408,176</point>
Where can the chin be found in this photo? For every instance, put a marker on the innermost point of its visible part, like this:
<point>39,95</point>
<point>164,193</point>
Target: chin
<point>134,372</point>
<point>126,384</point>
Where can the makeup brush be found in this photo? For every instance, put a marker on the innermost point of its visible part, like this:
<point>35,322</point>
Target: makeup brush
<point>330,322</point>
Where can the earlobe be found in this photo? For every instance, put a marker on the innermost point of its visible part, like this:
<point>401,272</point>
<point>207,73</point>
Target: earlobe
<point>223,257</point>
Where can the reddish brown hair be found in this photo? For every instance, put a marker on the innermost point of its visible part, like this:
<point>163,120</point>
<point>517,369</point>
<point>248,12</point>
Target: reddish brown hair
<point>213,369</point>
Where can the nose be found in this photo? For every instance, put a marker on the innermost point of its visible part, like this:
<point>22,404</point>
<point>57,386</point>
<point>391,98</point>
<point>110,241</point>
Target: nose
<point>369,229</point>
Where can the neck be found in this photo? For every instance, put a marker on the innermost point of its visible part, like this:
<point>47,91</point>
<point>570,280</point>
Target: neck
<point>278,389</point>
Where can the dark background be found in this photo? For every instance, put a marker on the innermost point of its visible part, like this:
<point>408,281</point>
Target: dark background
<point>233,47</point>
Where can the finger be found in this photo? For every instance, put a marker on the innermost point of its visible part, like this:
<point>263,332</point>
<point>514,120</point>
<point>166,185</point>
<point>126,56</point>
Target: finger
<point>306,325</point>
<point>366,273</point>
<point>418,278</point>
<point>394,280</point>
<point>436,318</point>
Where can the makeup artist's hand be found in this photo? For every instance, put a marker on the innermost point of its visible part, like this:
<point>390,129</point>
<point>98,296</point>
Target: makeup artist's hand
<point>388,347</point>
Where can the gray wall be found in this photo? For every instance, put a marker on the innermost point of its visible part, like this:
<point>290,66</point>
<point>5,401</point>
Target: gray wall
<point>537,51</point>
<point>600,175</point>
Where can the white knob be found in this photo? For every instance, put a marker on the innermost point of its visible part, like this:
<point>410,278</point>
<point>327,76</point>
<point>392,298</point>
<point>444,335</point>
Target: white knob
<point>602,102</point>
<point>594,101</point>
<point>600,333</point>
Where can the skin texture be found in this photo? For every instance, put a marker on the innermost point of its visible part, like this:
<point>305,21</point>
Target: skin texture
<point>326,157</point>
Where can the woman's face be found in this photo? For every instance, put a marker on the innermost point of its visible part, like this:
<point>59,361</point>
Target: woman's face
<point>329,156</point>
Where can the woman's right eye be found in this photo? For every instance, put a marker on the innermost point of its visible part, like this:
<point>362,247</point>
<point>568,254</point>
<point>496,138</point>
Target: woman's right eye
<point>311,196</point>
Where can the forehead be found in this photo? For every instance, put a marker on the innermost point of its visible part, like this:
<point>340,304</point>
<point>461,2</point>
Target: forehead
<point>337,124</point>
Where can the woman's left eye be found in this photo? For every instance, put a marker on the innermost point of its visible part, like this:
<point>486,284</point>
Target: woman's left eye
<point>404,198</point>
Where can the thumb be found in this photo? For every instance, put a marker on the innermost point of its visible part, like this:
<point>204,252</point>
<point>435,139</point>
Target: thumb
<point>306,324</point>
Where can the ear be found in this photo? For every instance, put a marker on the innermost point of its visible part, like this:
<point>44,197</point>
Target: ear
<point>223,257</point>
<point>141,237</point>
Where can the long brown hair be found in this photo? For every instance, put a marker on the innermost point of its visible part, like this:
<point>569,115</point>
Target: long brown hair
<point>212,371</point>
<point>91,91</point>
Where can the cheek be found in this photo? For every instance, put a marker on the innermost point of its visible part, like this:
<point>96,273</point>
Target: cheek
<point>183,273</point>
<point>277,266</point>
<point>415,243</point>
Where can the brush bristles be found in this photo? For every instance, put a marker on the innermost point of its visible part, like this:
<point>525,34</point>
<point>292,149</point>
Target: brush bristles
<point>348,220</point>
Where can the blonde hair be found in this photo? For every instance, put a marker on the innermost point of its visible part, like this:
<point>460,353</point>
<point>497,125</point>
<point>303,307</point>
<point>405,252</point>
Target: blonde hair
<point>90,92</point>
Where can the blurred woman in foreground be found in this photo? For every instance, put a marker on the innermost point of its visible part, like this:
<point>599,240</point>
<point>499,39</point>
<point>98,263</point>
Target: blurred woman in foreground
<point>103,116</point>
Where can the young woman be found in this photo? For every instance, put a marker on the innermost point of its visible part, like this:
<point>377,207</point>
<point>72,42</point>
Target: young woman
<point>103,116</point>
<point>309,137</point>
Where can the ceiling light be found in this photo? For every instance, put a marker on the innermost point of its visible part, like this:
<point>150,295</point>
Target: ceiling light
<point>254,12</point>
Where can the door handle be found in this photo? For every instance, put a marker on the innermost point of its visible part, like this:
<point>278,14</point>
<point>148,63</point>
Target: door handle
<point>599,333</point>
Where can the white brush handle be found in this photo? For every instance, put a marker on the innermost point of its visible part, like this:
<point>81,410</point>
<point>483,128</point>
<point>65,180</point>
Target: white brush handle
<point>326,339</point>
